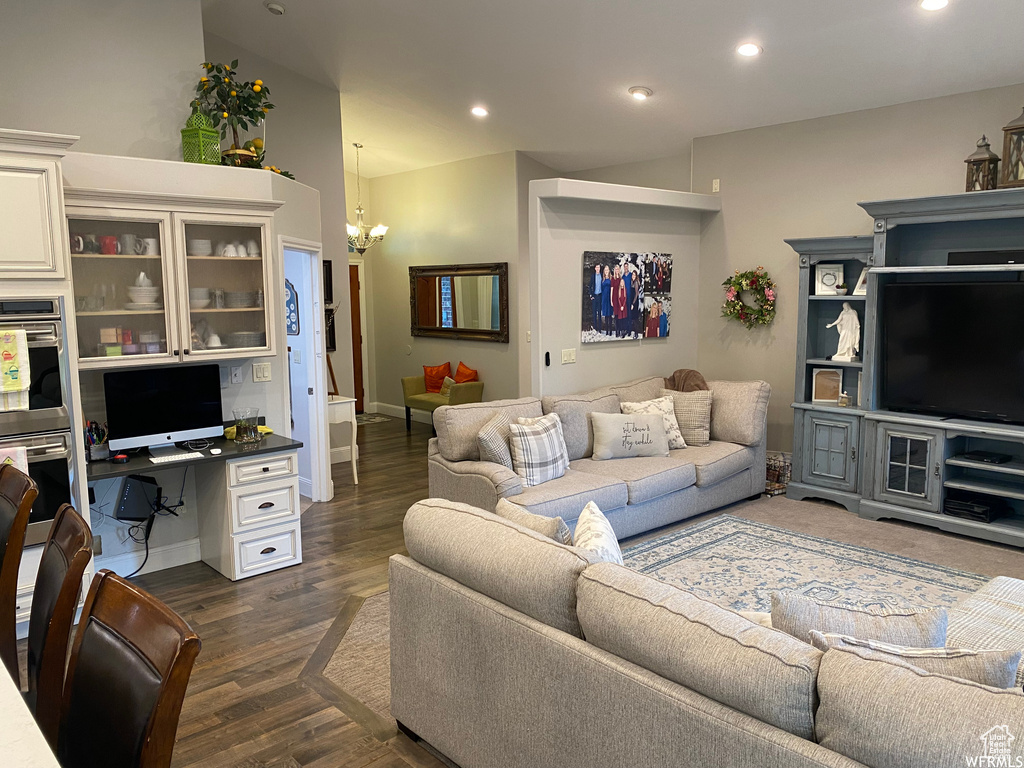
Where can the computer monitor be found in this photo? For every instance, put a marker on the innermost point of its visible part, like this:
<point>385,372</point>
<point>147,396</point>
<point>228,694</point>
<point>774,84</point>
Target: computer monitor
<point>161,406</point>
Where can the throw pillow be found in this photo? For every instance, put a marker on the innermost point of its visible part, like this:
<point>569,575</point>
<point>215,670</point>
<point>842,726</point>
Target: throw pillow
<point>594,534</point>
<point>666,407</point>
<point>552,527</point>
<point>797,615</point>
<point>538,449</point>
<point>492,440</point>
<point>446,386</point>
<point>434,376</point>
<point>997,669</point>
<point>693,413</point>
<point>464,373</point>
<point>624,436</point>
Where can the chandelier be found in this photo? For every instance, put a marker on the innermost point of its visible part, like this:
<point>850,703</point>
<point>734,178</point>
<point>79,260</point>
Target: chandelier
<point>361,237</point>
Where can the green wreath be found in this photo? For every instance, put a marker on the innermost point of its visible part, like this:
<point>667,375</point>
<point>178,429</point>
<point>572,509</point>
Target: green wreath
<point>761,287</point>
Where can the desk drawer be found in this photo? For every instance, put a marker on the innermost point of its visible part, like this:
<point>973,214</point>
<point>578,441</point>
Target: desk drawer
<point>267,550</point>
<point>256,470</point>
<point>259,505</point>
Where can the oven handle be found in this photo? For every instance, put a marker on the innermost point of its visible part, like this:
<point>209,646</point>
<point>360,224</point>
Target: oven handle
<point>44,451</point>
<point>43,334</point>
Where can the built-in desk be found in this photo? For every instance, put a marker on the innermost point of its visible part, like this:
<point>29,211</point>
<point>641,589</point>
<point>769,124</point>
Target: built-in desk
<point>247,499</point>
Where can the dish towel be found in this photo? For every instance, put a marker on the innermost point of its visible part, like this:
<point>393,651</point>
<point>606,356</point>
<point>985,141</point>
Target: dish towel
<point>16,455</point>
<point>14,370</point>
<point>14,401</point>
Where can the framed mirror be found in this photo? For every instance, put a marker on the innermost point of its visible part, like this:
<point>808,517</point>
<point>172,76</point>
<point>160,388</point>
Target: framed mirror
<point>460,301</point>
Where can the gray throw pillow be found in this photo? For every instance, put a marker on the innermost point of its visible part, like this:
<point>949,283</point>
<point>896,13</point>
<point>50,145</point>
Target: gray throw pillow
<point>552,527</point>
<point>621,436</point>
<point>997,669</point>
<point>797,615</point>
<point>693,414</point>
<point>492,440</point>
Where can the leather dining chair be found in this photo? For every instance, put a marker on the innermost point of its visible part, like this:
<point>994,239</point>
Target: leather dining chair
<point>66,553</point>
<point>17,493</point>
<point>126,680</point>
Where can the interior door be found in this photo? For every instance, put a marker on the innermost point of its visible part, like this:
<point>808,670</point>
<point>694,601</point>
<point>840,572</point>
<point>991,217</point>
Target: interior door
<point>357,335</point>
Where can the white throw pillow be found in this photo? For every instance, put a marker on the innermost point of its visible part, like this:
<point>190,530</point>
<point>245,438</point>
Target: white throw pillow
<point>666,407</point>
<point>538,449</point>
<point>594,533</point>
<point>693,413</point>
<point>552,527</point>
<point>492,440</point>
<point>626,436</point>
<point>446,386</point>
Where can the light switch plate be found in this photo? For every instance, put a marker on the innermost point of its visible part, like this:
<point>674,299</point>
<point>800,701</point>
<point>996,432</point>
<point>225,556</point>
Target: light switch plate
<point>261,372</point>
<point>568,356</point>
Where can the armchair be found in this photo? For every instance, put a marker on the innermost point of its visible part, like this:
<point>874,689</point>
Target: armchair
<point>414,391</point>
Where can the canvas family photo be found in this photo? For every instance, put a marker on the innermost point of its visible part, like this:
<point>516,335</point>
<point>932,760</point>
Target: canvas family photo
<point>626,295</point>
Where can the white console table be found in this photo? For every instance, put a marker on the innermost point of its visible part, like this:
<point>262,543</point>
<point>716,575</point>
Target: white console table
<point>21,741</point>
<point>341,409</point>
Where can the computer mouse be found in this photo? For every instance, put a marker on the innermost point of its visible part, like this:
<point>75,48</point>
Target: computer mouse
<point>215,451</point>
<point>121,458</point>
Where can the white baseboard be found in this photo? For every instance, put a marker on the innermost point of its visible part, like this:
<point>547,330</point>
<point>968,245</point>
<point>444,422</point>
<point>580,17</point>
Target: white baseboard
<point>306,487</point>
<point>369,407</point>
<point>398,411</point>
<point>167,556</point>
<point>342,453</point>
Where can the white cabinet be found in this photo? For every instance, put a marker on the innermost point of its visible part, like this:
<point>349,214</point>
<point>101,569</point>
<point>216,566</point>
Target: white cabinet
<point>32,242</point>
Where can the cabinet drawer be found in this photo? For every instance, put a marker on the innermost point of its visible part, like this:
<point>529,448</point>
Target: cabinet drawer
<point>269,467</point>
<point>255,506</point>
<point>264,551</point>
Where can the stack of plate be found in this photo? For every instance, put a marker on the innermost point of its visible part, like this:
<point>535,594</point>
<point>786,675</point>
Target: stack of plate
<point>143,299</point>
<point>240,299</point>
<point>198,298</point>
<point>247,339</point>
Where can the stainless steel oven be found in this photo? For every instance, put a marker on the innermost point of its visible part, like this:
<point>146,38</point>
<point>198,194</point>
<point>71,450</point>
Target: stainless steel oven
<point>44,430</point>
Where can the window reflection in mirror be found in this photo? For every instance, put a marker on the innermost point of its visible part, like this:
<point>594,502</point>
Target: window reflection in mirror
<point>460,301</point>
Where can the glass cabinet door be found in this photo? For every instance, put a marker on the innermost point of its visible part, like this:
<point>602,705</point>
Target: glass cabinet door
<point>909,471</point>
<point>225,285</point>
<point>125,300</point>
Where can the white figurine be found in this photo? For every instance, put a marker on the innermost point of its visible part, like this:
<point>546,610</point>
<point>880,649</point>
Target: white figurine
<point>848,324</point>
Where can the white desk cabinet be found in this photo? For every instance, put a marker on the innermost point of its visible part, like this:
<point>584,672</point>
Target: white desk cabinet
<point>260,530</point>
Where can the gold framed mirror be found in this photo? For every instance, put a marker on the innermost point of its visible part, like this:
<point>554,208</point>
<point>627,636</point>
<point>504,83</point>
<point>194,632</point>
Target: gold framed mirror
<point>460,301</point>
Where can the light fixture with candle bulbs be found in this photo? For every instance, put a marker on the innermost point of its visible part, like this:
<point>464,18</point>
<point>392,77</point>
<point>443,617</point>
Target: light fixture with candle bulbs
<point>361,237</point>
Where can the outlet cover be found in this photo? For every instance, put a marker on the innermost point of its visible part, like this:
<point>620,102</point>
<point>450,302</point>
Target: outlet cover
<point>236,374</point>
<point>716,185</point>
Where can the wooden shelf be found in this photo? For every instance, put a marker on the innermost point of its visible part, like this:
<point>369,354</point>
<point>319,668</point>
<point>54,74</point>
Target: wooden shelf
<point>225,258</point>
<point>859,297</point>
<point>114,256</point>
<point>830,408</point>
<point>992,487</point>
<point>227,309</point>
<point>1006,530</point>
<point>110,312</point>
<point>1009,468</point>
<point>822,362</point>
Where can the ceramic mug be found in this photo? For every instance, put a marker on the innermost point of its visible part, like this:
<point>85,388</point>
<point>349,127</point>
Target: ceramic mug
<point>77,244</point>
<point>131,244</point>
<point>109,245</point>
<point>252,248</point>
<point>90,244</point>
<point>240,250</point>
<point>151,246</point>
<point>229,251</point>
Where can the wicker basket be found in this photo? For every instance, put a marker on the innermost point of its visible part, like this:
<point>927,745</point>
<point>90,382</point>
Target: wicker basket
<point>779,471</point>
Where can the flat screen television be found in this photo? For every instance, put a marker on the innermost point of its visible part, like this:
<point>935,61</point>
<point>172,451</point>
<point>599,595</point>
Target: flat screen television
<point>954,350</point>
<point>160,406</point>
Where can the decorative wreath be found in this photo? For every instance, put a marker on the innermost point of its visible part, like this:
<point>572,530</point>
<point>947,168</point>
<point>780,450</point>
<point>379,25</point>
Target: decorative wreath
<point>761,287</point>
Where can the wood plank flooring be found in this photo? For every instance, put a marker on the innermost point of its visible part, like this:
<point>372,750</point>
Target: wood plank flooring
<point>249,702</point>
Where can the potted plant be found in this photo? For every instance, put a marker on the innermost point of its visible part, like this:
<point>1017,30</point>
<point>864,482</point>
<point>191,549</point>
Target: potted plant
<point>841,289</point>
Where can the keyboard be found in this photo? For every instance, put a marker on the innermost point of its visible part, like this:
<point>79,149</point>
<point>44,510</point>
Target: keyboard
<point>183,456</point>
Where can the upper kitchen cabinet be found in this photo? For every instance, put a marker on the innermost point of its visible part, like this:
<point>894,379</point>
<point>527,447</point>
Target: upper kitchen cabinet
<point>33,244</point>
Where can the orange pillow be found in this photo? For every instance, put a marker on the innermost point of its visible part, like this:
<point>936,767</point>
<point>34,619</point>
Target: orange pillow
<point>434,375</point>
<point>464,374</point>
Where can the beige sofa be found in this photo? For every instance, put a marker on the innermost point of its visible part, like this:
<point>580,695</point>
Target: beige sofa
<point>509,650</point>
<point>636,494</point>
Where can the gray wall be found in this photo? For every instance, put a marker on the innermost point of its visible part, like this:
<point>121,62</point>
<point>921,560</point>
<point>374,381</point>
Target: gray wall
<point>456,213</point>
<point>118,73</point>
<point>303,135</point>
<point>663,173</point>
<point>804,180</point>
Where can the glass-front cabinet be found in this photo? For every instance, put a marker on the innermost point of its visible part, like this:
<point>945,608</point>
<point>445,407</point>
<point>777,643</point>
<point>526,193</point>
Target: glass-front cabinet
<point>154,287</point>
<point>909,471</point>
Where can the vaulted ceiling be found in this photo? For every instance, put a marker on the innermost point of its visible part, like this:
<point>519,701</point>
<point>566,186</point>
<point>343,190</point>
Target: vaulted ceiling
<point>554,73</point>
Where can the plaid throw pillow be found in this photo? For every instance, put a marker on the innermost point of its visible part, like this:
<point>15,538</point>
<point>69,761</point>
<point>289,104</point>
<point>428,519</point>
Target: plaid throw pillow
<point>492,440</point>
<point>538,449</point>
<point>693,414</point>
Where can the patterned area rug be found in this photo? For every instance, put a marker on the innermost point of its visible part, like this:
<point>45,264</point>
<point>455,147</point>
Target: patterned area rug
<point>371,418</point>
<point>738,563</point>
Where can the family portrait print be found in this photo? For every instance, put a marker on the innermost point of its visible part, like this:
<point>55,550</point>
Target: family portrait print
<point>626,296</point>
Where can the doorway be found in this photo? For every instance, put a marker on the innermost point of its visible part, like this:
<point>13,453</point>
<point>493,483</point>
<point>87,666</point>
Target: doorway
<point>360,342</point>
<point>307,368</point>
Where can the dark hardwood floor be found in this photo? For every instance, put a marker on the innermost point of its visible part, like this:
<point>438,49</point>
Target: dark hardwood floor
<point>251,702</point>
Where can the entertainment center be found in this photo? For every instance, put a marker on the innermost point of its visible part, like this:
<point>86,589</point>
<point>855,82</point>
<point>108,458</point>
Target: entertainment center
<point>933,432</point>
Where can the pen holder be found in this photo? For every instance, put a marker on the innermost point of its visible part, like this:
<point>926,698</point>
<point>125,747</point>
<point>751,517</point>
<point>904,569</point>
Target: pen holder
<point>99,452</point>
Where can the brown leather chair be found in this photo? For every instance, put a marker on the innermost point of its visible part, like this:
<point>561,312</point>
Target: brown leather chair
<point>17,493</point>
<point>54,600</point>
<point>129,668</point>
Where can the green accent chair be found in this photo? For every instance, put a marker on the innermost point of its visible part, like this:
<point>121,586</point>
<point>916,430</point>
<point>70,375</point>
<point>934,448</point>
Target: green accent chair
<point>414,389</point>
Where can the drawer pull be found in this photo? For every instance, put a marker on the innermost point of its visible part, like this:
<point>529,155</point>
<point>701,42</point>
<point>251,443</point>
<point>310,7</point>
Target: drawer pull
<point>266,505</point>
<point>266,469</point>
<point>268,550</point>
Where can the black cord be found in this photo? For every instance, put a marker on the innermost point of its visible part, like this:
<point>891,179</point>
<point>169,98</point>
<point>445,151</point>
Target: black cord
<point>149,527</point>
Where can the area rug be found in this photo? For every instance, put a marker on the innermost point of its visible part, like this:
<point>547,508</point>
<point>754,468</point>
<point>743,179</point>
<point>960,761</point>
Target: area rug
<point>738,563</point>
<point>371,418</point>
<point>361,664</point>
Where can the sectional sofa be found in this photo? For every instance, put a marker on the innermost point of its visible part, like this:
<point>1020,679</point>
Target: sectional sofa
<point>509,649</point>
<point>636,494</point>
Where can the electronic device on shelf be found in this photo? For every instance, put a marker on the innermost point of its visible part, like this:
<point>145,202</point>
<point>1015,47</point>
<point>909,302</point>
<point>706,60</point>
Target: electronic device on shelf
<point>953,349</point>
<point>988,457</point>
<point>151,407</point>
<point>139,499</point>
<point>977,258</point>
<point>977,507</point>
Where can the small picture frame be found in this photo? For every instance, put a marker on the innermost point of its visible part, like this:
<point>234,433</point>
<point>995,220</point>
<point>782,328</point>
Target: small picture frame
<point>826,278</point>
<point>861,289</point>
<point>826,385</point>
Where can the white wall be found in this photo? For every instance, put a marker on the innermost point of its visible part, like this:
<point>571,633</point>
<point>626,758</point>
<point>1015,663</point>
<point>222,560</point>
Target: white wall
<point>118,73</point>
<point>662,173</point>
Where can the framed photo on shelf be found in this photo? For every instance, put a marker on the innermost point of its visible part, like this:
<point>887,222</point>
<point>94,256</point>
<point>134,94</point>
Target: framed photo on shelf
<point>861,289</point>
<point>826,385</point>
<point>826,278</point>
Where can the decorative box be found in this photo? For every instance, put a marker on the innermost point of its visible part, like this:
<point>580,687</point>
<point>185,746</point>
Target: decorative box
<point>110,335</point>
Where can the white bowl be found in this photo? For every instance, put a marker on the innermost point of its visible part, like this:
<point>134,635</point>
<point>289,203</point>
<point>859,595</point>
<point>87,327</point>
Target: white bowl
<point>199,293</point>
<point>198,303</point>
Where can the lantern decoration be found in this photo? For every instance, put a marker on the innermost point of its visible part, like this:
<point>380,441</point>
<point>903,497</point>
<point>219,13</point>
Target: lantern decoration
<point>200,143</point>
<point>1013,154</point>
<point>982,168</point>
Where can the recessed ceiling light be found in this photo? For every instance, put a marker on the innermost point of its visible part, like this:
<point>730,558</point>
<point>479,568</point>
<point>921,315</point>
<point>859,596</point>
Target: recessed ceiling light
<point>934,5</point>
<point>640,93</point>
<point>749,49</point>
<point>479,111</point>
<point>275,8</point>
